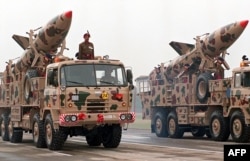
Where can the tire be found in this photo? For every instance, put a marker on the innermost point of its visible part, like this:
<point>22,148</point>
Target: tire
<point>38,133</point>
<point>219,126</point>
<point>54,138</point>
<point>174,129</point>
<point>240,132</point>
<point>202,88</point>
<point>27,84</point>
<point>111,136</point>
<point>95,140</point>
<point>160,125</point>
<point>198,131</point>
<point>15,134</point>
<point>4,127</point>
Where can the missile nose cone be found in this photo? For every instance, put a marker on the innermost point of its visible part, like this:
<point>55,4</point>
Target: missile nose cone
<point>243,23</point>
<point>68,14</point>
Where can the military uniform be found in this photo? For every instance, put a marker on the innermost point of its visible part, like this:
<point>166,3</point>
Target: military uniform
<point>219,74</point>
<point>86,50</point>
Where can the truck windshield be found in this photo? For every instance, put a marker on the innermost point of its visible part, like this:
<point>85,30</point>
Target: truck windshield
<point>92,75</point>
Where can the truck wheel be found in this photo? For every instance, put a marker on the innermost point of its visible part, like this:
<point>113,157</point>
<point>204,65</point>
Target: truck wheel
<point>160,125</point>
<point>202,88</point>
<point>54,138</point>
<point>111,136</point>
<point>27,84</point>
<point>219,128</point>
<point>4,127</point>
<point>174,130</point>
<point>198,131</point>
<point>240,132</point>
<point>95,140</point>
<point>15,134</point>
<point>38,132</point>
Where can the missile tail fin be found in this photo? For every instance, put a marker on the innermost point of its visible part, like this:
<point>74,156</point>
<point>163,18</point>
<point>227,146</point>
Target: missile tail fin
<point>181,48</point>
<point>21,40</point>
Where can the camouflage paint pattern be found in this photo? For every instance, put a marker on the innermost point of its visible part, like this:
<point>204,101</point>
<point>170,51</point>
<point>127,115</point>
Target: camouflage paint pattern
<point>91,109</point>
<point>221,39</point>
<point>182,95</point>
<point>90,104</point>
<point>173,86</point>
<point>48,39</point>
<point>201,55</point>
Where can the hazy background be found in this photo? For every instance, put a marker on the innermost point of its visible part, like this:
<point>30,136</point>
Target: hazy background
<point>136,31</point>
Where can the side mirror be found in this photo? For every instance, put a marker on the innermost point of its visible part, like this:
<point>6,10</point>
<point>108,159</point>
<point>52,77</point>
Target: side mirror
<point>129,76</point>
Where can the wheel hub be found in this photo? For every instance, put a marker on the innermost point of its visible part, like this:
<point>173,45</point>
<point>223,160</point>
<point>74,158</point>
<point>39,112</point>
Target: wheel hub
<point>158,125</point>
<point>202,88</point>
<point>48,133</point>
<point>172,126</point>
<point>10,128</point>
<point>216,127</point>
<point>237,127</point>
<point>2,128</point>
<point>35,132</point>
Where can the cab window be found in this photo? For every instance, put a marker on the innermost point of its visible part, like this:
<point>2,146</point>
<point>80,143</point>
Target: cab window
<point>52,77</point>
<point>242,79</point>
<point>237,80</point>
<point>246,79</point>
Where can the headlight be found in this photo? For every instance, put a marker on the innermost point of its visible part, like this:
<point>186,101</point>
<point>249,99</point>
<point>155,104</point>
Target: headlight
<point>73,118</point>
<point>122,117</point>
<point>129,116</point>
<point>67,118</point>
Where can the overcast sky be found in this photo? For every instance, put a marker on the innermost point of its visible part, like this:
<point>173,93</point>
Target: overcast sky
<point>136,31</point>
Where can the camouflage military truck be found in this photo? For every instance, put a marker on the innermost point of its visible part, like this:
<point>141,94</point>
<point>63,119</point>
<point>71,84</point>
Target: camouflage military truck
<point>53,97</point>
<point>188,95</point>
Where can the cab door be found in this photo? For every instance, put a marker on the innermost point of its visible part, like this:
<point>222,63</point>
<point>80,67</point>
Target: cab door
<point>241,87</point>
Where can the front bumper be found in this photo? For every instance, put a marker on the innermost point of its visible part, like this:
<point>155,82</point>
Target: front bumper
<point>81,119</point>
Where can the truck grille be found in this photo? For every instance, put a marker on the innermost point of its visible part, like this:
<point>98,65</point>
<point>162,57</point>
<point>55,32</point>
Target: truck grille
<point>95,105</point>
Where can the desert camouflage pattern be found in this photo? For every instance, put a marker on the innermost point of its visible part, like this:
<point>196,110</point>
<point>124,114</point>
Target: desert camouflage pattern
<point>189,88</point>
<point>207,48</point>
<point>92,108</point>
<point>25,89</point>
<point>54,96</point>
<point>48,39</point>
<point>91,114</point>
<point>183,93</point>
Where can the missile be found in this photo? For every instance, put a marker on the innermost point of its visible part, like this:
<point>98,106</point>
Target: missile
<point>206,49</point>
<point>48,39</point>
<point>220,40</point>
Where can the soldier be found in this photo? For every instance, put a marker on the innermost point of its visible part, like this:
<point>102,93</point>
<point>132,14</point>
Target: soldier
<point>108,78</point>
<point>244,62</point>
<point>86,48</point>
<point>219,73</point>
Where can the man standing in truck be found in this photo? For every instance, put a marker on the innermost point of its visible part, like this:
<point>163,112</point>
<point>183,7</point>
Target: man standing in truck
<point>86,48</point>
<point>219,73</point>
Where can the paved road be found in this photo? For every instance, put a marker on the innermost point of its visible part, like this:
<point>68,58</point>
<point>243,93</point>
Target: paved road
<point>136,145</point>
